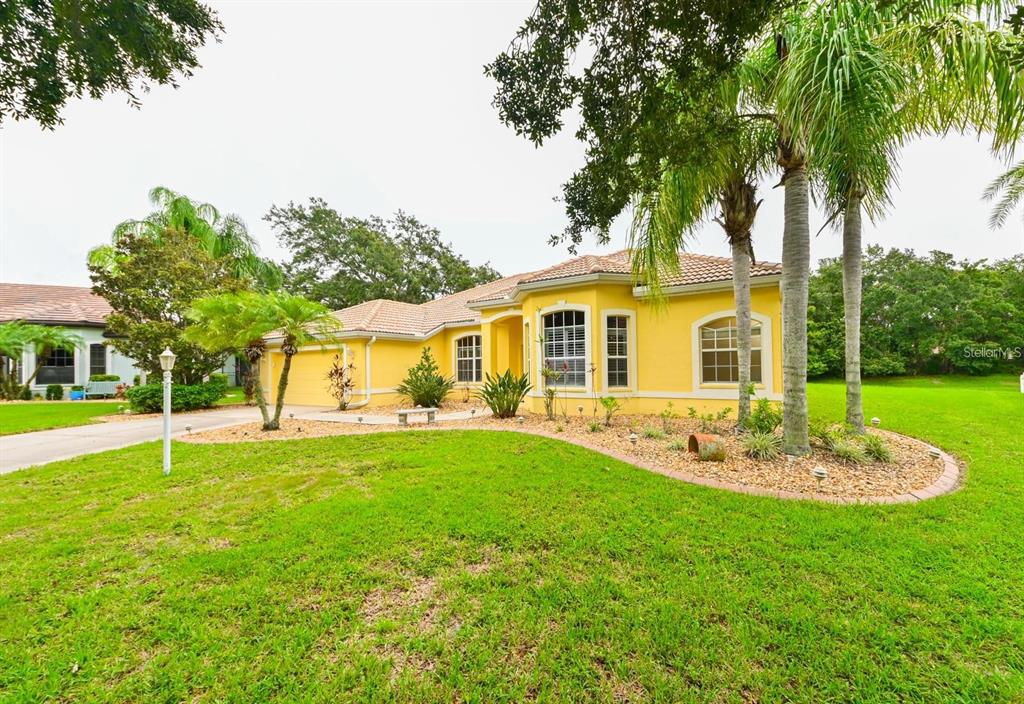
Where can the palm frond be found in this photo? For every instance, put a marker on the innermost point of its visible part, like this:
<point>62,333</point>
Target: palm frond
<point>1009,188</point>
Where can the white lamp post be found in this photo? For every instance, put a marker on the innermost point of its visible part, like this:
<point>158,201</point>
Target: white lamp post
<point>167,364</point>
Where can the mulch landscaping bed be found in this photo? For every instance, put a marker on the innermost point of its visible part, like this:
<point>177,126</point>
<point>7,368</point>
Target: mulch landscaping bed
<point>912,467</point>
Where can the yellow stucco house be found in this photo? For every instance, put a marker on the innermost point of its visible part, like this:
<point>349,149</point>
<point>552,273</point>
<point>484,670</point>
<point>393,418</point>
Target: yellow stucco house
<point>583,317</point>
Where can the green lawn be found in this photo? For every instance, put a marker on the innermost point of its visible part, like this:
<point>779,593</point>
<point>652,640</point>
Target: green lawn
<point>43,415</point>
<point>478,566</point>
<point>234,395</point>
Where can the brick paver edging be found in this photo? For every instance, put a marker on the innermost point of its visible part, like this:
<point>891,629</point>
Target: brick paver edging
<point>948,482</point>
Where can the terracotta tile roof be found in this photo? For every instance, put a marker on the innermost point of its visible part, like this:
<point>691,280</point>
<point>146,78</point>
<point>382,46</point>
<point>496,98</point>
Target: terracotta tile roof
<point>383,316</point>
<point>61,305</point>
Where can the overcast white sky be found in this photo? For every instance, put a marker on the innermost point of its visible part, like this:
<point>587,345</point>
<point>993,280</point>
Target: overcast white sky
<point>376,107</point>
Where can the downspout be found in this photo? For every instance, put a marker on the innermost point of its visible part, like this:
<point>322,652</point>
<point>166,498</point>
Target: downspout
<point>367,376</point>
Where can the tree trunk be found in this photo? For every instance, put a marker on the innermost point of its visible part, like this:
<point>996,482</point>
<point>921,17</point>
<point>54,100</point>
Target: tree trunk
<point>257,387</point>
<point>852,310</point>
<point>741,292</point>
<point>796,262</point>
<point>282,384</point>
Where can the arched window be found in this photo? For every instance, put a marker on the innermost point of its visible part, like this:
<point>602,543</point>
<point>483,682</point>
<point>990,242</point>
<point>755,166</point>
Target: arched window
<point>468,358</point>
<point>565,347</point>
<point>719,354</point>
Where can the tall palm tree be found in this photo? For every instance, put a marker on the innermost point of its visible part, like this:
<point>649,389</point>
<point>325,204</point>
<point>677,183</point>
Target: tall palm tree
<point>721,174</point>
<point>879,77</point>
<point>221,237</point>
<point>243,321</point>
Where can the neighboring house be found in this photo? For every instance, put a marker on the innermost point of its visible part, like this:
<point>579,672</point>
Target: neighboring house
<point>583,318</point>
<point>78,310</point>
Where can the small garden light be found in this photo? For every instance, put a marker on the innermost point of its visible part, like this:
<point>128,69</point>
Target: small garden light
<point>188,429</point>
<point>359,419</point>
<point>876,421</point>
<point>819,473</point>
<point>472,411</point>
<point>633,437</point>
<point>935,452</point>
<point>579,409</point>
<point>291,416</point>
<point>520,420</point>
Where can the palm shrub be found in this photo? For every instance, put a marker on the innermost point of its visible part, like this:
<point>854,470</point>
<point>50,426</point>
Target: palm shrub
<point>762,445</point>
<point>247,321</point>
<point>611,405</point>
<point>15,338</point>
<point>503,393</point>
<point>424,384</point>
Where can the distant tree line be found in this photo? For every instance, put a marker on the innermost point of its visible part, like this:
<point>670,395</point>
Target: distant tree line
<point>921,315</point>
<point>342,260</point>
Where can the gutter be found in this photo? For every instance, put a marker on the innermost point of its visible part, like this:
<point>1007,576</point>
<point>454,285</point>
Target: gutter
<point>366,376</point>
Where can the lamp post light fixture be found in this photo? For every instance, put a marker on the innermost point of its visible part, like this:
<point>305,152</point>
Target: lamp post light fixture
<point>167,364</point>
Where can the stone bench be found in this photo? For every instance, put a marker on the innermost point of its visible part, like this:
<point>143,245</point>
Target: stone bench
<point>403,415</point>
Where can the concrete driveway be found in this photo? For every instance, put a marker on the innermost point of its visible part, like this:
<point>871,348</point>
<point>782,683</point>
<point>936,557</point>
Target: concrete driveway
<point>28,449</point>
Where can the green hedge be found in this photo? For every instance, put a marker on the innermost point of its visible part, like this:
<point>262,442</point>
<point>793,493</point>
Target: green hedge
<point>149,398</point>
<point>104,377</point>
<point>54,392</point>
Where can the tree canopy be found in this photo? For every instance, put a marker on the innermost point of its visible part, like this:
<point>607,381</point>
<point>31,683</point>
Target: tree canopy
<point>613,60</point>
<point>151,289</point>
<point>340,261</point>
<point>221,237</point>
<point>922,314</point>
<point>51,52</point>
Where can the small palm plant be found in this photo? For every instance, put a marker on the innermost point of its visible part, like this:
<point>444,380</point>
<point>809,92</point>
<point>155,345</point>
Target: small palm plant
<point>503,393</point>
<point>16,337</point>
<point>246,321</point>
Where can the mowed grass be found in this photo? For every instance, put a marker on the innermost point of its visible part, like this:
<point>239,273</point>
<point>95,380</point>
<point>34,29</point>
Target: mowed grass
<point>43,415</point>
<point>475,566</point>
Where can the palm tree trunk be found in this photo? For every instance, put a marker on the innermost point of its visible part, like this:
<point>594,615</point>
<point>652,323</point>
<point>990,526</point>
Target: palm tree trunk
<point>257,387</point>
<point>796,264</point>
<point>282,384</point>
<point>852,309</point>
<point>741,292</point>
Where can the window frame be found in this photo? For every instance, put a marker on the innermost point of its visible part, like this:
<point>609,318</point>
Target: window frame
<point>72,354</point>
<point>631,349</point>
<point>478,367</point>
<point>106,361</point>
<point>542,358</point>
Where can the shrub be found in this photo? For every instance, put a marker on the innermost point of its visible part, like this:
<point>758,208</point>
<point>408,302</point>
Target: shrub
<point>709,421</point>
<point>679,445</point>
<point>875,448</point>
<point>218,378</point>
<point>595,427</point>
<point>54,392</point>
<point>26,393</point>
<point>765,418</point>
<point>503,393</point>
<point>104,377</point>
<point>340,381</point>
<point>135,380</point>
<point>653,433</point>
<point>611,405</point>
<point>424,384</point>
<point>712,451</point>
<point>667,416</point>
<point>847,450</point>
<point>762,446</point>
<point>149,398</point>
